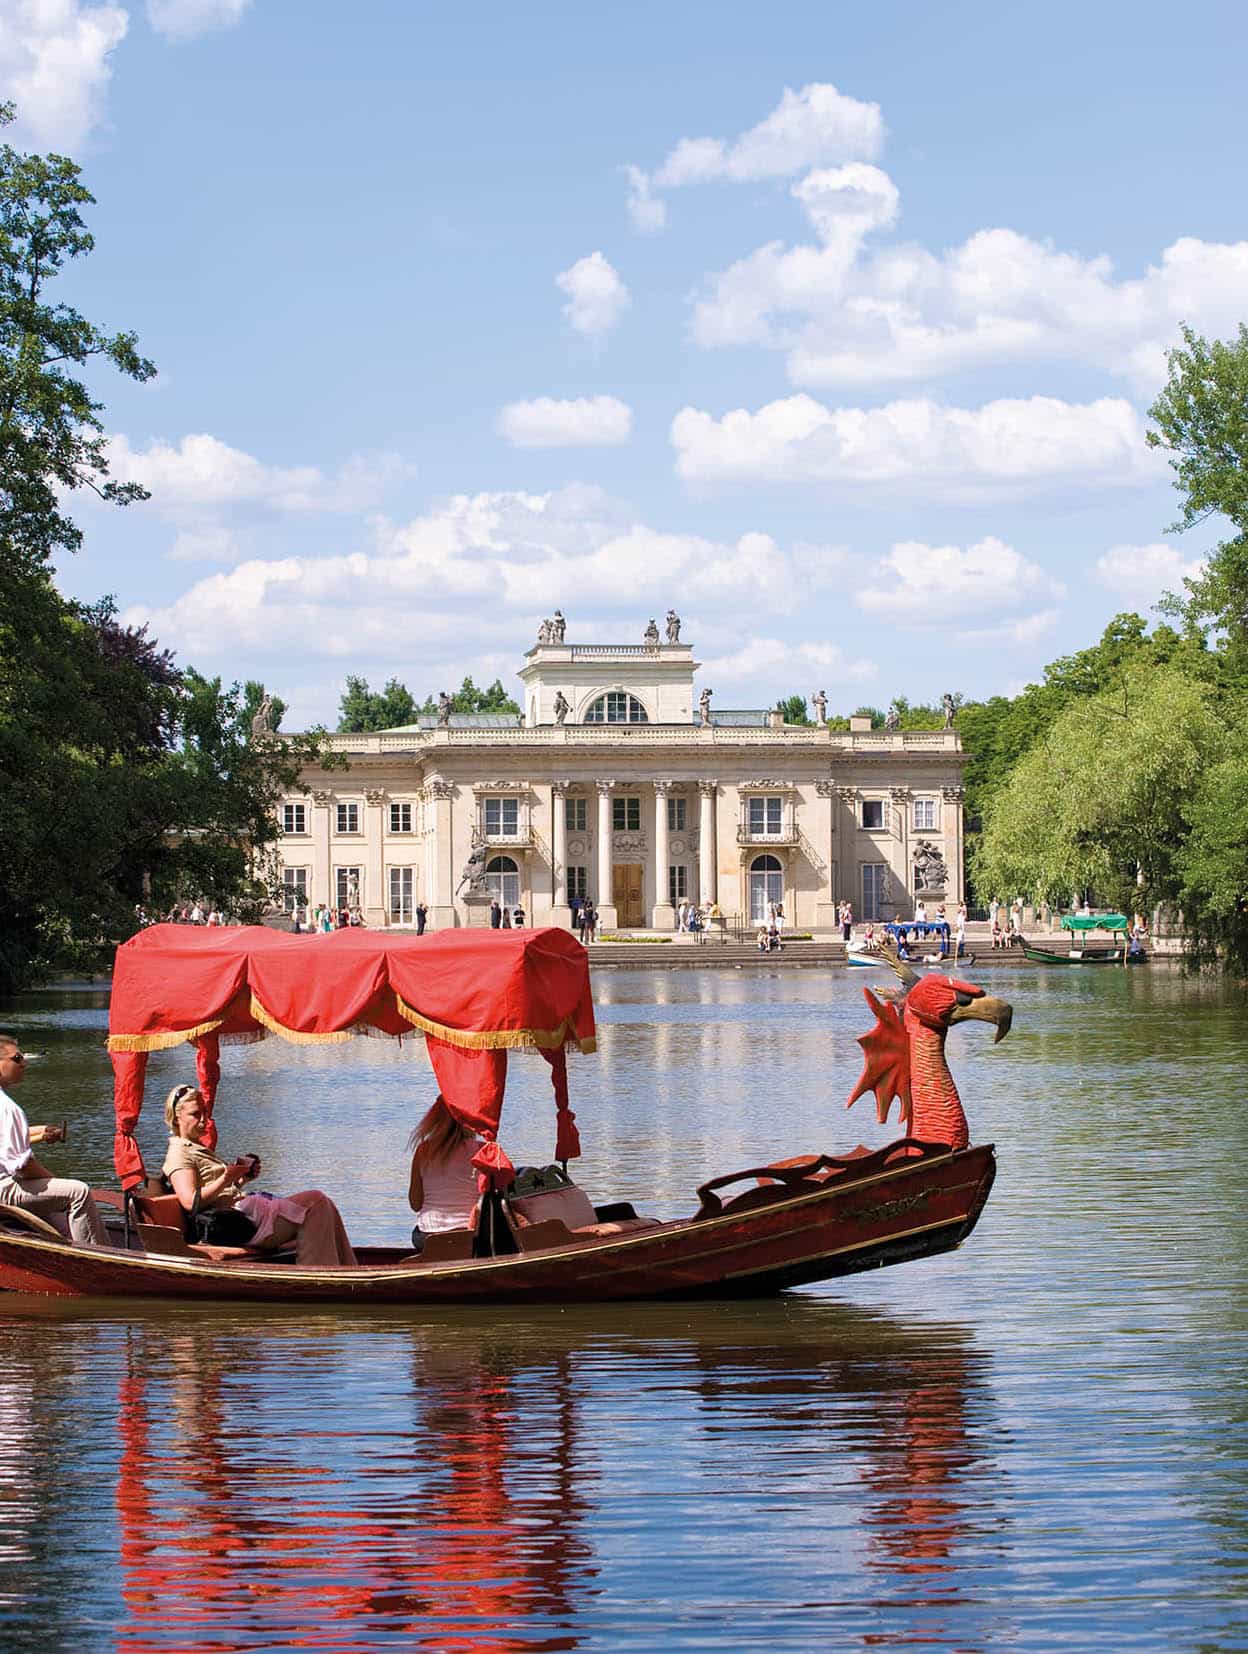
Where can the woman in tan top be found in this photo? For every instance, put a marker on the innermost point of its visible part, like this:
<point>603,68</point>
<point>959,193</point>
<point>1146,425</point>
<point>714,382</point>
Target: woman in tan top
<point>205,1183</point>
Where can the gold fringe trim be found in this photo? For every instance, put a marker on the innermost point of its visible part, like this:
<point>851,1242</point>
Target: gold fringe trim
<point>160,1042</point>
<point>495,1039</point>
<point>292,1034</point>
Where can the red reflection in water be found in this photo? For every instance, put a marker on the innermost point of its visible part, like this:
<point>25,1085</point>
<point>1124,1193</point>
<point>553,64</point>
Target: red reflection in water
<point>230,1541</point>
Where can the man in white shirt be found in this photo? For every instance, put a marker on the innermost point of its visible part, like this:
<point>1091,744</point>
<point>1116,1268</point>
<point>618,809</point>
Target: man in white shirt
<point>23,1180</point>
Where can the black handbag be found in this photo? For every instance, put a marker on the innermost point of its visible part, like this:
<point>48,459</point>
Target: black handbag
<point>225,1227</point>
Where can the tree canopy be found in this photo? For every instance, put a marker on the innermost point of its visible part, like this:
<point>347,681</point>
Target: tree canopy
<point>362,709</point>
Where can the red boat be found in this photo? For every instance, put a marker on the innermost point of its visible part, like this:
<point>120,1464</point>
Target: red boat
<point>474,995</point>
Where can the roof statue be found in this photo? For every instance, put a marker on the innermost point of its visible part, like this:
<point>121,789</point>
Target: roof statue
<point>892,719</point>
<point>950,709</point>
<point>673,626</point>
<point>558,627</point>
<point>444,709</point>
<point>820,702</point>
<point>651,637</point>
<point>562,706</point>
<point>262,723</point>
<point>704,708</point>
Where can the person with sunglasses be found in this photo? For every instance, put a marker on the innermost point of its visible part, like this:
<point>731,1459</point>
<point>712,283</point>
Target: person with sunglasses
<point>24,1181</point>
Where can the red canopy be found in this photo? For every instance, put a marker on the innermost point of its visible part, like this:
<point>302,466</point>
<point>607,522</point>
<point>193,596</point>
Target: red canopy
<point>474,994</point>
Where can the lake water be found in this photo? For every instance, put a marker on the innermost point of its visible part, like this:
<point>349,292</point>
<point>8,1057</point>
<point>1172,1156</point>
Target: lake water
<point>1036,1442</point>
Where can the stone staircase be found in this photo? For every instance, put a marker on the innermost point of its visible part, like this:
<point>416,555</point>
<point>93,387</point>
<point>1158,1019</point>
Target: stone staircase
<point>687,953</point>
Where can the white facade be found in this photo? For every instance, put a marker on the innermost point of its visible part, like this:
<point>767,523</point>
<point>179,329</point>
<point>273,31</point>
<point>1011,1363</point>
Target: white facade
<point>634,812</point>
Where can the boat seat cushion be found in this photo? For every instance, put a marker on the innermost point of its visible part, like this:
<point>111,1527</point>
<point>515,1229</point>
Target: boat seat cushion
<point>619,1226</point>
<point>570,1205</point>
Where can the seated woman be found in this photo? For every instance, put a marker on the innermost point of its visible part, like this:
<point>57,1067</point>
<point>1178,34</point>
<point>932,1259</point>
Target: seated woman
<point>442,1190</point>
<point>309,1218</point>
<point>763,940</point>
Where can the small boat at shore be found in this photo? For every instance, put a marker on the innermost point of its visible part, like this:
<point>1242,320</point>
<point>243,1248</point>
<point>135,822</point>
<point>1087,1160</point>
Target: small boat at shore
<point>474,996</point>
<point>1074,956</point>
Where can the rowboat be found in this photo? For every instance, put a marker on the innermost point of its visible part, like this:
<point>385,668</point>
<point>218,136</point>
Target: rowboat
<point>474,995</point>
<point>1073,956</point>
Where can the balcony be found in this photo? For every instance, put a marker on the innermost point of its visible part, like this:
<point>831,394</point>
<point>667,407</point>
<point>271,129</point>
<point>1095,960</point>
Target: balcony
<point>506,838</point>
<point>782,836</point>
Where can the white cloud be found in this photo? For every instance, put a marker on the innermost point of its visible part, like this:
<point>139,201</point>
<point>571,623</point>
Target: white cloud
<point>817,126</point>
<point>1026,630</point>
<point>596,295</point>
<point>1004,448</point>
<point>1140,574</point>
<point>479,571</point>
<point>586,421</point>
<point>647,210</point>
<point>919,585</point>
<point>54,64</point>
<point>187,19</point>
<point>904,315</point>
<point>762,662</point>
<point>201,471</point>
<point>210,544</point>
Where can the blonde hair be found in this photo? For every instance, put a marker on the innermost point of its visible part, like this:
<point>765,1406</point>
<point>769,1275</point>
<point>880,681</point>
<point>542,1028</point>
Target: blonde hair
<point>179,1094</point>
<point>437,1133</point>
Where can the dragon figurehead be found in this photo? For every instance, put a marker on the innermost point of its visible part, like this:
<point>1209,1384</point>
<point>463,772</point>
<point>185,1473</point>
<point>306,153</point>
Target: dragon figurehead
<point>905,1052</point>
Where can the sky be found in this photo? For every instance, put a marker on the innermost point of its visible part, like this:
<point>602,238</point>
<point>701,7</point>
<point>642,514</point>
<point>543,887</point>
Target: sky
<point>832,327</point>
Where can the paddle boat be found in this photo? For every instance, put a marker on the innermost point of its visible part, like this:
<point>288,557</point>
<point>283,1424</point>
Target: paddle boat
<point>1118,952</point>
<point>474,996</point>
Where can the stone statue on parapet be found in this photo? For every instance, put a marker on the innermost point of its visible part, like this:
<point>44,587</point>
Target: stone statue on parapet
<point>951,709</point>
<point>562,706</point>
<point>444,709</point>
<point>673,626</point>
<point>930,867</point>
<point>704,707</point>
<point>558,627</point>
<point>652,635</point>
<point>262,723</point>
<point>892,720</point>
<point>473,874</point>
<point>819,701</point>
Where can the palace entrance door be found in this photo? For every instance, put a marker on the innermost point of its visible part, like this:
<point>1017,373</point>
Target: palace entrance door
<point>626,888</point>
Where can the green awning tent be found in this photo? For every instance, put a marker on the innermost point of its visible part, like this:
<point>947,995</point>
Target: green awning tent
<point>1095,921</point>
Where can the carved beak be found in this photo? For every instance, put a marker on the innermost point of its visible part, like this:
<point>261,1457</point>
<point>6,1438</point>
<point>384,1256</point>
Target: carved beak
<point>986,1009</point>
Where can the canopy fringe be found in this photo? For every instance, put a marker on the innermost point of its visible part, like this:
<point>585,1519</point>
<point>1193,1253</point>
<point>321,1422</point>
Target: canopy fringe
<point>293,1035</point>
<point>160,1042</point>
<point>495,1039</point>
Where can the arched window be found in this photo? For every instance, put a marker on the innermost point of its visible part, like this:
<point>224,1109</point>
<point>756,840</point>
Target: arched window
<point>766,886</point>
<point>503,877</point>
<point>617,706</point>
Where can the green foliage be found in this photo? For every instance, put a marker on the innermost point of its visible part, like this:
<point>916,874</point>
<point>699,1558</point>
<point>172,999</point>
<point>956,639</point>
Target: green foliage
<point>362,709</point>
<point>1213,863</point>
<point>468,698</point>
<point>793,710</point>
<point>872,712</point>
<point>253,694</point>
<point>51,434</point>
<point>1201,421</point>
<point>1104,799</point>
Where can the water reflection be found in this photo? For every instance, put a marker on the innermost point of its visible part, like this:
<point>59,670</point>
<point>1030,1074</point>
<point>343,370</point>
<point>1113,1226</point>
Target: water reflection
<point>339,1482</point>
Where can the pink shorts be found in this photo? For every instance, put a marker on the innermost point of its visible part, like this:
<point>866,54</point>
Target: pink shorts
<point>264,1211</point>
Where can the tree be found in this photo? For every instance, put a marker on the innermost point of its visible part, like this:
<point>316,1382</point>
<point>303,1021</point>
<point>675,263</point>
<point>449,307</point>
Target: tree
<point>1213,864</point>
<point>51,434</point>
<point>793,709</point>
<point>469,699</point>
<point>1104,799</point>
<point>362,709</point>
<point>1202,423</point>
<point>253,694</point>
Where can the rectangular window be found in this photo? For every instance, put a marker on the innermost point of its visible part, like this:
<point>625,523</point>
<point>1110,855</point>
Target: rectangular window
<point>401,895</point>
<point>294,818</point>
<point>925,815</point>
<point>873,814</point>
<point>576,814</point>
<point>348,818</point>
<point>578,882</point>
<point>677,883</point>
<point>677,814</point>
<point>874,889</point>
<point>348,887</point>
<point>766,816</point>
<point>294,888</point>
<point>400,818</point>
<point>626,815</point>
<point>502,817</point>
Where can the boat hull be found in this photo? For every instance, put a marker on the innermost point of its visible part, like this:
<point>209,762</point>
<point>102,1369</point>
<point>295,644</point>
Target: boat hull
<point>864,1217</point>
<point>1076,956</point>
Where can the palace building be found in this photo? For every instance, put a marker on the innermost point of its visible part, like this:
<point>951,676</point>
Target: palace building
<point>619,782</point>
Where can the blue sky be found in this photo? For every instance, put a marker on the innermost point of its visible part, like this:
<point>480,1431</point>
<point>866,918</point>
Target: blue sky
<point>833,327</point>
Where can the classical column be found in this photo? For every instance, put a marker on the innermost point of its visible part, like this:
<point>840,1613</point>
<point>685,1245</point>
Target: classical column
<point>374,897</point>
<point>664,913</point>
<point>321,884</point>
<point>849,881</point>
<point>708,882</point>
<point>560,912</point>
<point>900,798</point>
<point>605,899</point>
<point>825,901</point>
<point>441,848</point>
<point>951,801</point>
